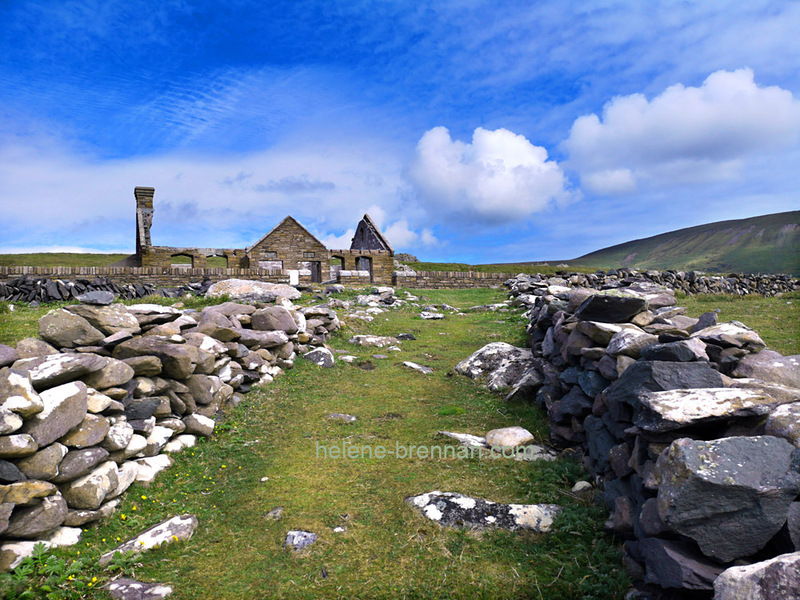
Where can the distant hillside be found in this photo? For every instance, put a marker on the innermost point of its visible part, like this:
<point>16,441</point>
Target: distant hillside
<point>766,244</point>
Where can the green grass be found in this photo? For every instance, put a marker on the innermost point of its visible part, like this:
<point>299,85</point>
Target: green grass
<point>59,259</point>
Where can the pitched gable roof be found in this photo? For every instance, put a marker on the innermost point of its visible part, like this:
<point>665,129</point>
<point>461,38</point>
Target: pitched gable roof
<point>369,224</point>
<point>291,220</point>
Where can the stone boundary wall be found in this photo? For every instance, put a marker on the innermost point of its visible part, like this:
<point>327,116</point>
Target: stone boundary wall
<point>109,392</point>
<point>690,427</point>
<point>449,279</point>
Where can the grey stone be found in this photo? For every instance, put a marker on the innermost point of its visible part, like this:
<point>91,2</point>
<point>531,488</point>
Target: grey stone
<point>729,495</point>
<point>33,348</point>
<point>9,421</point>
<point>610,307</point>
<point>44,464</point>
<point>78,463</point>
<point>90,432</point>
<point>78,518</point>
<point>373,341</point>
<point>41,518</point>
<point>263,339</point>
<point>179,528</point>
<point>456,510</point>
<point>175,358</point>
<point>65,407</point>
<point>784,422</point>
<point>273,318</point>
<point>500,363</point>
<point>298,540</point>
<point>55,369</point>
<point>89,491</point>
<point>66,330</point>
<point>240,290</point>
<point>508,437</point>
<point>673,564</point>
<point>130,589</point>
<point>144,366</point>
<point>97,297</point>
<point>732,334</point>
<point>7,355</point>
<point>674,409</point>
<point>419,368</point>
<point>630,342</point>
<point>218,326</point>
<point>321,357</point>
<point>772,367</point>
<point>776,578</point>
<point>707,319</point>
<point>115,373</point>
<point>17,446</point>
<point>199,425</point>
<point>118,436</point>
<point>341,417</point>
<point>680,351</point>
<point>9,473</point>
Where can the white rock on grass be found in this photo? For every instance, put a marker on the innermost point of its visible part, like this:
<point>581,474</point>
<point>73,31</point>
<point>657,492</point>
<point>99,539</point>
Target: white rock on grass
<point>466,439</point>
<point>419,368</point>
<point>508,437</point>
<point>151,466</point>
<point>130,589</point>
<point>172,530</point>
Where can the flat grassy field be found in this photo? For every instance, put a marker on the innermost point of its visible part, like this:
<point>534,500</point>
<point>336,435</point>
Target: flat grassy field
<point>59,259</point>
<point>269,452</point>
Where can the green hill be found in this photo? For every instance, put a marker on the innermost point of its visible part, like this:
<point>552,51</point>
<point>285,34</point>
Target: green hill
<point>766,244</point>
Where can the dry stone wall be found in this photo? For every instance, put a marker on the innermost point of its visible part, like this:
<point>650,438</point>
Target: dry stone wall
<point>110,391</point>
<point>691,428</point>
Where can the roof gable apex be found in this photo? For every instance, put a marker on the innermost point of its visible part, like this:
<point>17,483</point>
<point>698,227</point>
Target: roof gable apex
<point>288,220</point>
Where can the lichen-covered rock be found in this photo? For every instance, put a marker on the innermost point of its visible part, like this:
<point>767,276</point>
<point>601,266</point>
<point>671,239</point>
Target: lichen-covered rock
<point>674,409</point>
<point>109,319</point>
<point>66,330</point>
<point>242,290</point>
<point>199,425</point>
<point>44,464</point>
<point>321,357</point>
<point>17,394</point>
<point>678,351</point>
<point>298,540</point>
<point>176,362</point>
<point>89,491</point>
<point>55,369</point>
<point>500,363</point>
<point>456,510</point>
<point>775,578</point>
<point>768,365</point>
<point>17,446</point>
<point>729,495</point>
<point>114,373</point>
<point>167,532</point>
<point>26,492</point>
<point>273,318</point>
<point>65,407</point>
<point>78,463</point>
<point>89,432</point>
<point>373,340</point>
<point>732,334</point>
<point>630,342</point>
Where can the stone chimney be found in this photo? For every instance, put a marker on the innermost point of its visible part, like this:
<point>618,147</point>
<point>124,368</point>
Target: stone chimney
<point>144,216</point>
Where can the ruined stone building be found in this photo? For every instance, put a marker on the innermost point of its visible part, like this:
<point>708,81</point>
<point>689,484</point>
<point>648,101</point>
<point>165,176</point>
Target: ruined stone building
<point>288,248</point>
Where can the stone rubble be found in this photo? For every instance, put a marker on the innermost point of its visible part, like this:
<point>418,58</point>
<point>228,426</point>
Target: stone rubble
<point>84,416</point>
<point>689,426</point>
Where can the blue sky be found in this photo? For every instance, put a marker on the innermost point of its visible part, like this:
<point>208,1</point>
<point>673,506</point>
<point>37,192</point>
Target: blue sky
<point>470,131</point>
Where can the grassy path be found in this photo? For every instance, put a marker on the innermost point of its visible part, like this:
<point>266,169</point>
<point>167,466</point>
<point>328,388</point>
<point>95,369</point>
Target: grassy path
<point>388,550</point>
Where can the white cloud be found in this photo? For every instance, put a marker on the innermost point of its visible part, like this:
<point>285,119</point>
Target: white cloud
<point>684,135</point>
<point>499,177</point>
<point>340,242</point>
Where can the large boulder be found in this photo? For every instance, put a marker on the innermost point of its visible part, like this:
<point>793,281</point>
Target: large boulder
<point>730,495</point>
<point>108,319</point>
<point>771,579</point>
<point>242,290</point>
<point>66,330</point>
<point>501,364</point>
